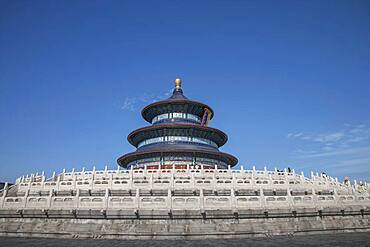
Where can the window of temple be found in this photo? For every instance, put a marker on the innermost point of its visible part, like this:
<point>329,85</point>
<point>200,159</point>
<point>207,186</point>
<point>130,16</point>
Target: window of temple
<point>178,115</point>
<point>177,138</point>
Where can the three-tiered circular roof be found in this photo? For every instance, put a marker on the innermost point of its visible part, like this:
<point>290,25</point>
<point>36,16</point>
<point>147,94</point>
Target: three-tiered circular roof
<point>177,137</point>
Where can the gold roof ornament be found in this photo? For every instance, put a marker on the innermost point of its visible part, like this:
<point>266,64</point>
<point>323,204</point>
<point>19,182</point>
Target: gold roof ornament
<point>178,83</point>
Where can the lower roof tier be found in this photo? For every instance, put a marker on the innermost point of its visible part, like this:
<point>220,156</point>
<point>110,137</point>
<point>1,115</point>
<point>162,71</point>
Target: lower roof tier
<point>218,157</point>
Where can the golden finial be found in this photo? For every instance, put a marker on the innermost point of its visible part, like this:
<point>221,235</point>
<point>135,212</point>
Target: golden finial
<point>178,83</point>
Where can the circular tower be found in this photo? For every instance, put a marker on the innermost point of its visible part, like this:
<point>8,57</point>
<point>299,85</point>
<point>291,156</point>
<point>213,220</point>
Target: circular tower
<point>178,137</point>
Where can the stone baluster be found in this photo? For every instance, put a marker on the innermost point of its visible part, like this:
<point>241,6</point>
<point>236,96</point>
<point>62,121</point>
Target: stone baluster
<point>131,172</point>
<point>137,197</point>
<point>92,178</point>
<point>169,200</point>
<point>30,182</point>
<point>290,198</point>
<point>201,198</point>
<point>352,186</point>
<point>335,194</point>
<point>314,196</point>
<point>77,199</point>
<point>25,197</point>
<point>233,200</point>
<point>106,198</point>
<point>262,199</point>
<point>74,177</point>
<point>83,173</point>
<point>151,182</point>
<point>110,183</point>
<point>5,191</point>
<point>58,182</point>
<point>233,180</point>
<point>51,193</point>
<point>192,179</point>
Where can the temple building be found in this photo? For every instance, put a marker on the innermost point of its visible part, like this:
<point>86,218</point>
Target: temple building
<point>177,184</point>
<point>179,136</point>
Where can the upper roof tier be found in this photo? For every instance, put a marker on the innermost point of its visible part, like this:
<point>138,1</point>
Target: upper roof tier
<point>176,103</point>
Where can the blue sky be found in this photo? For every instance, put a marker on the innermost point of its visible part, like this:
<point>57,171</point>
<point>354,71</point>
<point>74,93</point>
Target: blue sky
<point>289,81</point>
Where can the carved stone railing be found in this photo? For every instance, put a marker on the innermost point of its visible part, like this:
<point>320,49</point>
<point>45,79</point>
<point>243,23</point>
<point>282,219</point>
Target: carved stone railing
<point>187,189</point>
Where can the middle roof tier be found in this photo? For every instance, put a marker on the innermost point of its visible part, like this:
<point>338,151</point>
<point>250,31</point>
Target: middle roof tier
<point>184,130</point>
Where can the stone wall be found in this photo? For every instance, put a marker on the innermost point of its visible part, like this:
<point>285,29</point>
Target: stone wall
<point>203,203</point>
<point>182,228</point>
<point>172,189</point>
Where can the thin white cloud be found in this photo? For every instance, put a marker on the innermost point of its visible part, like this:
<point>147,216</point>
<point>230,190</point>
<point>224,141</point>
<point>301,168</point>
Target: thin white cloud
<point>135,102</point>
<point>350,134</point>
<point>323,138</point>
<point>345,152</point>
<point>294,135</point>
<point>356,165</point>
<point>333,137</point>
<point>337,152</point>
<point>129,104</point>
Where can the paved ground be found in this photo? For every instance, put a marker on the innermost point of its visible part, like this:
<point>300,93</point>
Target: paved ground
<point>343,239</point>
